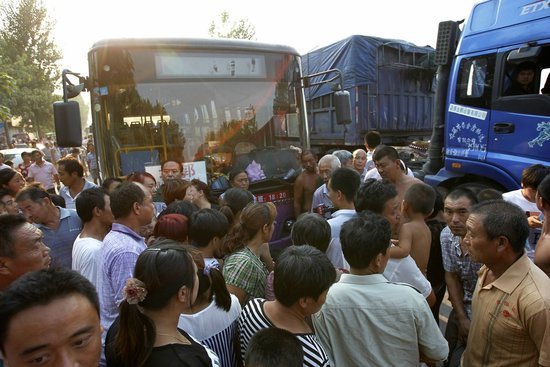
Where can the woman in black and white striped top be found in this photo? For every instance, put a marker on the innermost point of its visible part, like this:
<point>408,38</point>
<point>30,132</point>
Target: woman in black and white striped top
<point>302,277</point>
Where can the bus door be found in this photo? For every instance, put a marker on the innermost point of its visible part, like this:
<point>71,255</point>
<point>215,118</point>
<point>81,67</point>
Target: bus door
<point>519,133</point>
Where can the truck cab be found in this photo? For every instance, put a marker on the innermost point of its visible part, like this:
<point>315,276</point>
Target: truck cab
<point>496,111</point>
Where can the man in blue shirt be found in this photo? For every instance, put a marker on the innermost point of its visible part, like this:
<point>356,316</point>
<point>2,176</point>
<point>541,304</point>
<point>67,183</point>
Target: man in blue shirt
<point>60,226</point>
<point>132,207</point>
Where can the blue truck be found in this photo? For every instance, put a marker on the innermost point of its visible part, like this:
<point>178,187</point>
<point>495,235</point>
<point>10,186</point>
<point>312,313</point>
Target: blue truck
<point>391,90</point>
<point>492,102</point>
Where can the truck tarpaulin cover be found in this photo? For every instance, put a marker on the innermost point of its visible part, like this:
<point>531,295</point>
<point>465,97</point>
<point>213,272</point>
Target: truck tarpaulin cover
<point>357,57</point>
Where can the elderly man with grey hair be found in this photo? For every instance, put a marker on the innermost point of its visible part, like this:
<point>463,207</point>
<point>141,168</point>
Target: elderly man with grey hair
<point>321,203</point>
<point>345,157</point>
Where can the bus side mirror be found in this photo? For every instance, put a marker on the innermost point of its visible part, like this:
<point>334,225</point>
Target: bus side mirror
<point>68,129</point>
<point>343,107</point>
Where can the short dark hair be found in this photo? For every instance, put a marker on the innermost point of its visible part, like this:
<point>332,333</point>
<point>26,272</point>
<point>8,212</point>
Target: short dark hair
<point>346,181</point>
<point>207,224</point>
<point>421,198</point>
<point>235,172</point>
<point>26,154</point>
<point>8,224</point>
<point>123,198</point>
<point>58,200</point>
<point>274,347</point>
<point>364,237</point>
<point>460,192</point>
<point>6,175</point>
<point>87,200</point>
<point>233,201</point>
<point>140,177</point>
<point>373,139</point>
<point>502,218</point>
<point>308,270</point>
<point>373,194</point>
<point>544,189</point>
<point>41,288</point>
<point>526,65</point>
<point>382,151</point>
<point>489,194</point>
<point>311,229</point>
<point>32,192</point>
<point>533,175</point>
<point>71,165</point>
<point>182,207</point>
<point>306,152</point>
<point>109,180</point>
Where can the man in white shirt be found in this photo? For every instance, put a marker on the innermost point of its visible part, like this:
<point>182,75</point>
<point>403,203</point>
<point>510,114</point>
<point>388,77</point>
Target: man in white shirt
<point>43,172</point>
<point>364,313</point>
<point>94,209</point>
<point>531,177</point>
<point>342,186</point>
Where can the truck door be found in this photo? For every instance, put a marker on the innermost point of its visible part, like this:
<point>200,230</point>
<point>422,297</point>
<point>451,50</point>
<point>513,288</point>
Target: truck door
<point>469,113</point>
<point>519,131</point>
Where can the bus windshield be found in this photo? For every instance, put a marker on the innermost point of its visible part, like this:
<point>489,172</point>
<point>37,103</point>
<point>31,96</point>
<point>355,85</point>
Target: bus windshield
<point>220,108</point>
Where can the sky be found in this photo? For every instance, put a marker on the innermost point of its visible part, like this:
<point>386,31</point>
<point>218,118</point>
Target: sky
<point>304,25</point>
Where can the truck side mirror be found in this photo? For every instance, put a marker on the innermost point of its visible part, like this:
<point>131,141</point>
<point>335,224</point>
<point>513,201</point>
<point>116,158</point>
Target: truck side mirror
<point>68,129</point>
<point>342,104</point>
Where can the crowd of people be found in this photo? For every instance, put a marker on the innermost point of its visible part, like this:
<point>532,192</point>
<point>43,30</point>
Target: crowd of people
<point>133,273</point>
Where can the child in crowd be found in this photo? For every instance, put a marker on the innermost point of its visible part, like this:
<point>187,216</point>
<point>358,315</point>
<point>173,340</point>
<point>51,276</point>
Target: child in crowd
<point>310,229</point>
<point>414,236</point>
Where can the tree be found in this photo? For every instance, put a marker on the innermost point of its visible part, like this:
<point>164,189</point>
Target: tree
<point>242,29</point>
<point>6,89</point>
<point>29,55</point>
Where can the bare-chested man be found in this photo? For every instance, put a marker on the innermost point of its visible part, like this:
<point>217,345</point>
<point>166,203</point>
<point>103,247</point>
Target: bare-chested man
<point>307,182</point>
<point>388,164</point>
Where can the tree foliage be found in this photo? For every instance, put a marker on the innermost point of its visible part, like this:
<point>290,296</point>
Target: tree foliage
<point>224,28</point>
<point>6,89</point>
<point>29,56</point>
